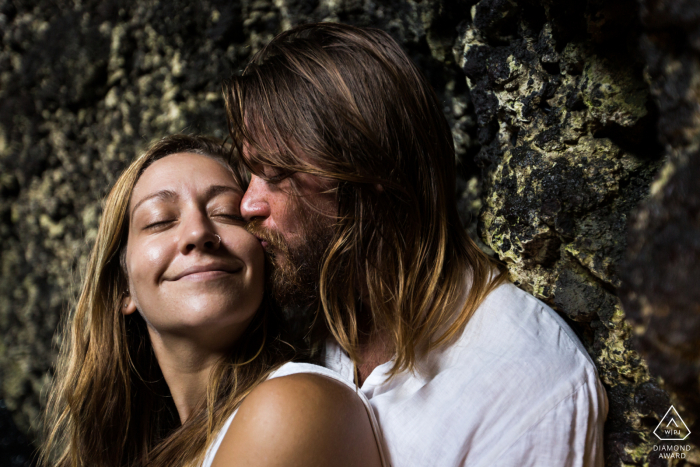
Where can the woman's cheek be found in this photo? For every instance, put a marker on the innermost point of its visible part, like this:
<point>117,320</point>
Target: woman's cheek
<point>257,256</point>
<point>254,257</point>
<point>156,256</point>
<point>150,259</point>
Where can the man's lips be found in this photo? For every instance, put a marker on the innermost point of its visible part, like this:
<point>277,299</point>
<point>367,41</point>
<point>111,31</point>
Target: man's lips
<point>206,271</point>
<point>263,242</point>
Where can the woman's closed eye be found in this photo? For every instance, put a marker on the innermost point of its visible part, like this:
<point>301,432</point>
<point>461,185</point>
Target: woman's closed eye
<point>233,217</point>
<point>225,210</point>
<point>158,224</point>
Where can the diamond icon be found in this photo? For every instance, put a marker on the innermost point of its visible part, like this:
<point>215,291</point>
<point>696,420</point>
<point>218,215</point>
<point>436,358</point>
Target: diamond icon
<point>672,427</point>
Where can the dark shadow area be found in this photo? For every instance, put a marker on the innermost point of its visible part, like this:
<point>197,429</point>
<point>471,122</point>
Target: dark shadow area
<point>15,450</point>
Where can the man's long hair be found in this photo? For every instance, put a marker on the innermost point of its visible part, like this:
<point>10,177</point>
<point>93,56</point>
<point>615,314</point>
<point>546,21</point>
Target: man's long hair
<point>347,104</point>
<point>109,405</point>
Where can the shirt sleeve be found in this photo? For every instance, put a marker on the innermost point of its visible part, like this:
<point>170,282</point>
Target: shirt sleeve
<point>570,434</point>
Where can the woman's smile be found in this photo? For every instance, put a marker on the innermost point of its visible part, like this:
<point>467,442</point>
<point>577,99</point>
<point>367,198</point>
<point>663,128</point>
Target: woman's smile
<point>205,272</point>
<point>194,271</point>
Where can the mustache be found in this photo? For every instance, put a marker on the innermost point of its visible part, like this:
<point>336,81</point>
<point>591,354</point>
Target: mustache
<point>273,238</point>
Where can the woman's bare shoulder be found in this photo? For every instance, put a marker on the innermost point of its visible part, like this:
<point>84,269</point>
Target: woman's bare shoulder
<point>301,419</point>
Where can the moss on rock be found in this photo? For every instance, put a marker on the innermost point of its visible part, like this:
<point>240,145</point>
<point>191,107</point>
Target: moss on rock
<point>566,125</point>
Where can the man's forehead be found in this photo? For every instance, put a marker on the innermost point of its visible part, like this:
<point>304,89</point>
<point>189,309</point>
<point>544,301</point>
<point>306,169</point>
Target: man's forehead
<point>256,153</point>
<point>259,140</point>
<point>273,155</point>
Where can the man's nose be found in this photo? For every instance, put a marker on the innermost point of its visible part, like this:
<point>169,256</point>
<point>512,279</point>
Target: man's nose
<point>198,233</point>
<point>254,203</point>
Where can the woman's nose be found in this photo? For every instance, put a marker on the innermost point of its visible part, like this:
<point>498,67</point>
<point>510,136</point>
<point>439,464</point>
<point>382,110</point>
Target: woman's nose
<point>254,203</point>
<point>198,234</point>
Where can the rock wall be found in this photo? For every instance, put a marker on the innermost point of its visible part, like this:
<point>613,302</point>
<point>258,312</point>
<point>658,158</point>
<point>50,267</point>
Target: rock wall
<point>569,148</point>
<point>554,117</point>
<point>661,290</point>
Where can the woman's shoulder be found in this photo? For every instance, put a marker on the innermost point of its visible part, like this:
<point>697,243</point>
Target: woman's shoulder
<point>300,418</point>
<point>307,390</point>
<point>291,368</point>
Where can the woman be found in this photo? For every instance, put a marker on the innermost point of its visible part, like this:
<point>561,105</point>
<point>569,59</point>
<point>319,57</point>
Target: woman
<point>172,336</point>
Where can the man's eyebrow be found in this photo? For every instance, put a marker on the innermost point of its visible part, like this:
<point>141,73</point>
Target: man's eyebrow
<point>165,195</point>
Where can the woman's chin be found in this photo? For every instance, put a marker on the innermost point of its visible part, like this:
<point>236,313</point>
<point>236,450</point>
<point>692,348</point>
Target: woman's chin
<point>218,326</point>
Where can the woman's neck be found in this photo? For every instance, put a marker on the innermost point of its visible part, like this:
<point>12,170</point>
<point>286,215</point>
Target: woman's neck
<point>186,367</point>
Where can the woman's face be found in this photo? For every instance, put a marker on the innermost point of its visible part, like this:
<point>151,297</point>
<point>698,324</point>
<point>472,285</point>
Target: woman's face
<point>194,271</point>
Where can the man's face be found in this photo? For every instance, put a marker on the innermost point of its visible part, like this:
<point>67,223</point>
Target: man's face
<point>294,226</point>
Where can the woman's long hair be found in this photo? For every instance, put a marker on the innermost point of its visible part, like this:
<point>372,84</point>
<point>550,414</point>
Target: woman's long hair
<point>347,104</point>
<point>109,405</point>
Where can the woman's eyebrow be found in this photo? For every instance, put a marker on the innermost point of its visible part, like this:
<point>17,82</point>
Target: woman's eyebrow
<point>169,195</point>
<point>216,190</point>
<point>166,195</point>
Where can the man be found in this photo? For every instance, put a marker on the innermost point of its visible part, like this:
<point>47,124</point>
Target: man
<point>353,196</point>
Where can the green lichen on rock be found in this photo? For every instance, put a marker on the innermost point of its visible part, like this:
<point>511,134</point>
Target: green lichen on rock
<point>612,91</point>
<point>660,278</point>
<point>568,150</point>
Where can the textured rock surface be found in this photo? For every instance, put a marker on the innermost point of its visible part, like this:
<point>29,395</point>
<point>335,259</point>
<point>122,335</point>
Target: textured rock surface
<point>661,289</point>
<point>554,120</point>
<point>569,147</point>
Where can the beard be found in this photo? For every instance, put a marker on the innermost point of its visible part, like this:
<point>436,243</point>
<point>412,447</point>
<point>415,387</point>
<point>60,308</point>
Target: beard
<point>296,267</point>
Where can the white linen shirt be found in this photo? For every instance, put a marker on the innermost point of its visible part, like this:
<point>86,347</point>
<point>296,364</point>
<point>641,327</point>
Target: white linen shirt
<point>517,388</point>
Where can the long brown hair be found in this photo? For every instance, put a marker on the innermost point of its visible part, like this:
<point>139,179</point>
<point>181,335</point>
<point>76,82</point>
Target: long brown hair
<point>347,104</point>
<point>109,404</point>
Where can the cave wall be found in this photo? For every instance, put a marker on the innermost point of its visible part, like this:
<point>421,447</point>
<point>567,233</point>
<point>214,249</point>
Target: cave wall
<point>661,276</point>
<point>569,148</point>
<point>555,109</point>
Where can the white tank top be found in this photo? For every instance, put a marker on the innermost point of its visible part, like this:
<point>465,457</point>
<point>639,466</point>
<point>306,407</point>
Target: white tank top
<point>294,368</point>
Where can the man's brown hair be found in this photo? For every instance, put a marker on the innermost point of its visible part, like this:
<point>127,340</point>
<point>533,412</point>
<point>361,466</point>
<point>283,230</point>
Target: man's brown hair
<point>347,104</point>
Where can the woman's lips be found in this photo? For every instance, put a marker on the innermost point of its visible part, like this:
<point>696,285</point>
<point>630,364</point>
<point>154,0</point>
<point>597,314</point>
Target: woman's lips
<point>205,275</point>
<point>206,272</point>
